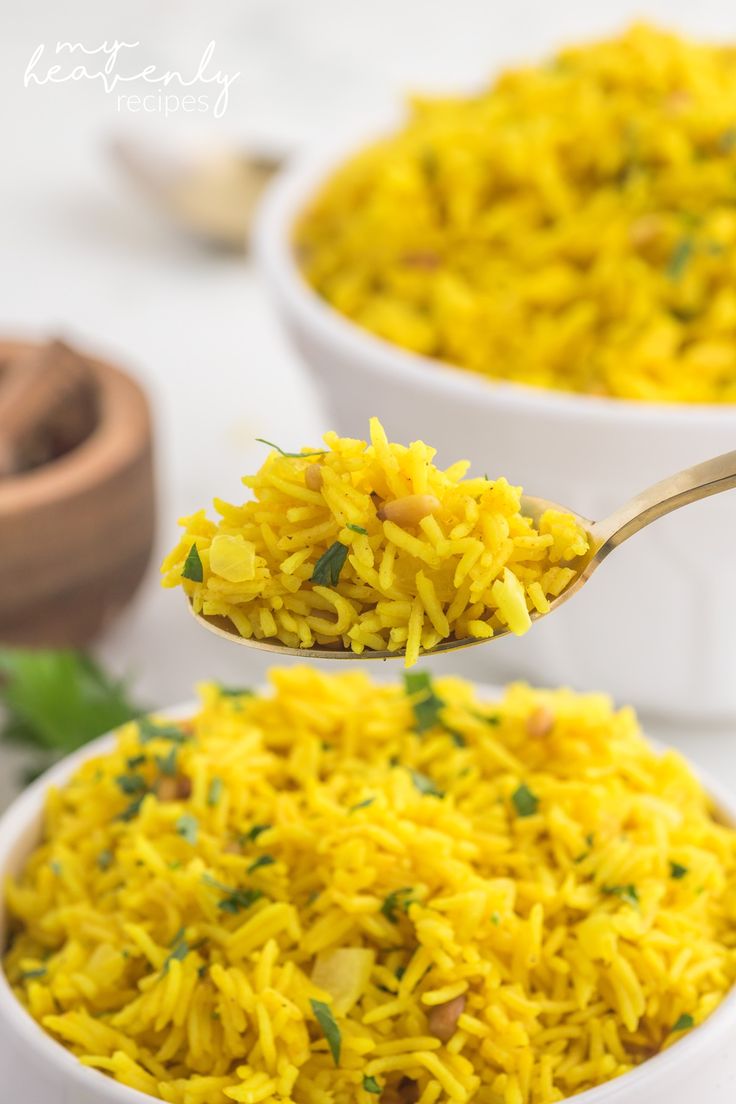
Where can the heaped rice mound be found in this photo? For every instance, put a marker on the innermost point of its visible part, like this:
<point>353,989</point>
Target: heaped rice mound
<point>571,227</point>
<point>347,889</point>
<point>372,547</point>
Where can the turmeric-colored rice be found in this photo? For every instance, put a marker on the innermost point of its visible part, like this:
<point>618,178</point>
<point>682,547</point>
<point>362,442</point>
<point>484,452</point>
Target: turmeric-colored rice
<point>372,547</point>
<point>572,226</point>
<point>344,889</point>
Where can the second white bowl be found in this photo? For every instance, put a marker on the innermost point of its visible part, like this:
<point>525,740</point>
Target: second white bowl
<point>657,625</point>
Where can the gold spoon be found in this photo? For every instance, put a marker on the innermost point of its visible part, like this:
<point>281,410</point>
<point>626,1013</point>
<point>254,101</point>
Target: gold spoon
<point>709,478</point>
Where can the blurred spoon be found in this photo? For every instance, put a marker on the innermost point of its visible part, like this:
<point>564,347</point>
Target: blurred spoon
<point>690,485</point>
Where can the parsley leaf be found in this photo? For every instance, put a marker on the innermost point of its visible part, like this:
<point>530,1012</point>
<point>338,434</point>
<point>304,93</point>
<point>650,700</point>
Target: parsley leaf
<point>371,1085</point>
<point>180,950</point>
<point>255,831</point>
<point>148,730</point>
<point>214,792</point>
<point>188,828</point>
<point>328,567</point>
<point>132,810</point>
<point>626,893</point>
<point>292,455</point>
<point>233,899</point>
<point>330,1030</point>
<point>167,763</point>
<point>684,1023</point>
<point>425,785</point>
<point>235,692</point>
<point>192,568</point>
<point>32,975</point>
<point>361,805</point>
<point>262,860</point>
<point>357,528</point>
<point>677,871</point>
<point>525,802</point>
<point>104,860</point>
<point>131,784</point>
<point>680,258</point>
<point>57,701</point>
<point>428,704</point>
<point>397,899</point>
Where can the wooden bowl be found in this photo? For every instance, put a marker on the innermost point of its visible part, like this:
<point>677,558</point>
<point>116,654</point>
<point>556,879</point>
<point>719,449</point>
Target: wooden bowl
<point>76,534</point>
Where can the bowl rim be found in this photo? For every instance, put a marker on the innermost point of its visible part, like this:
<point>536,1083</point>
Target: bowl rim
<point>24,813</point>
<point>285,200</point>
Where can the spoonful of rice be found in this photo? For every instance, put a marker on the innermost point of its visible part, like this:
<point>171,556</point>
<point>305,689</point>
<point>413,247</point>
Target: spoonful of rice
<point>369,551</point>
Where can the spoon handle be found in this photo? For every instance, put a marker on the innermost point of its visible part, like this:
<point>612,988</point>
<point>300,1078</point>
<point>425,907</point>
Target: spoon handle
<point>709,478</point>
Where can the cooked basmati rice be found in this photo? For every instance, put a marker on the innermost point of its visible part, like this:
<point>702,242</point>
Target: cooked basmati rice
<point>425,554</point>
<point>571,227</point>
<point>345,888</point>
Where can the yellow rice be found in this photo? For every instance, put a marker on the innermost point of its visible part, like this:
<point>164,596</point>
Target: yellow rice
<point>532,856</point>
<point>570,227</point>
<point>472,566</point>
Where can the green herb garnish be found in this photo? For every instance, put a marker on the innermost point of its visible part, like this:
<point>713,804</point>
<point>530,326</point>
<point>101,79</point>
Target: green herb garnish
<point>525,802</point>
<point>291,455</point>
<point>680,258</point>
<point>256,831</point>
<point>371,1085</point>
<point>56,701</point>
<point>262,860</point>
<point>427,703</point>
<point>188,828</point>
<point>192,568</point>
<point>328,567</point>
<point>33,975</point>
<point>214,792</point>
<point>394,901</point>
<point>167,763</point>
<point>136,761</point>
<point>235,692</point>
<point>357,529</point>
<point>361,805</point>
<point>149,729</point>
<point>233,899</point>
<point>677,871</point>
<point>330,1030</point>
<point>684,1023</point>
<point>180,950</point>
<point>104,860</point>
<point>131,784</point>
<point>425,785</point>
<point>628,893</point>
<point>132,810</point>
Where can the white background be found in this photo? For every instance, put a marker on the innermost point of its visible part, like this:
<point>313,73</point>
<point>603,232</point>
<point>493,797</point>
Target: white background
<point>82,256</point>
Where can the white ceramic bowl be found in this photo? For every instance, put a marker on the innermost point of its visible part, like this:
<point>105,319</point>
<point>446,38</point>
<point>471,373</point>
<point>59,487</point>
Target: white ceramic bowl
<point>37,1070</point>
<point>657,625</point>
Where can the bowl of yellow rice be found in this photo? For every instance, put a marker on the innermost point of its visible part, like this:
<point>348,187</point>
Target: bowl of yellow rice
<point>341,890</point>
<point>539,277</point>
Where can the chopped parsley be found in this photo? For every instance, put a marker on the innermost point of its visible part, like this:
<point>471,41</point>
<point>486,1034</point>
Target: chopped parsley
<point>104,860</point>
<point>328,567</point>
<point>361,805</point>
<point>256,831</point>
<point>677,871</point>
<point>233,900</point>
<point>149,730</point>
<point>234,692</point>
<point>371,1085</point>
<point>262,860</point>
<point>425,785</point>
<point>291,455</point>
<point>680,258</point>
<point>131,784</point>
<point>33,975</point>
<point>684,1023</point>
<point>131,811</point>
<point>192,568</point>
<point>427,704</point>
<point>188,828</point>
<point>136,761</point>
<point>179,950</point>
<point>56,867</point>
<point>398,898</point>
<point>167,763</point>
<point>357,528</point>
<point>214,793</point>
<point>330,1030</point>
<point>627,893</point>
<point>525,802</point>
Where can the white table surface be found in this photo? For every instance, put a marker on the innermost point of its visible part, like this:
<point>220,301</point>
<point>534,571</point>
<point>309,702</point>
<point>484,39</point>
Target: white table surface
<point>85,258</point>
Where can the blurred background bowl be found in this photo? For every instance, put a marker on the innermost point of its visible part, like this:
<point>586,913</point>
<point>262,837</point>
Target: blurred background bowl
<point>76,534</point>
<point>667,592</point>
